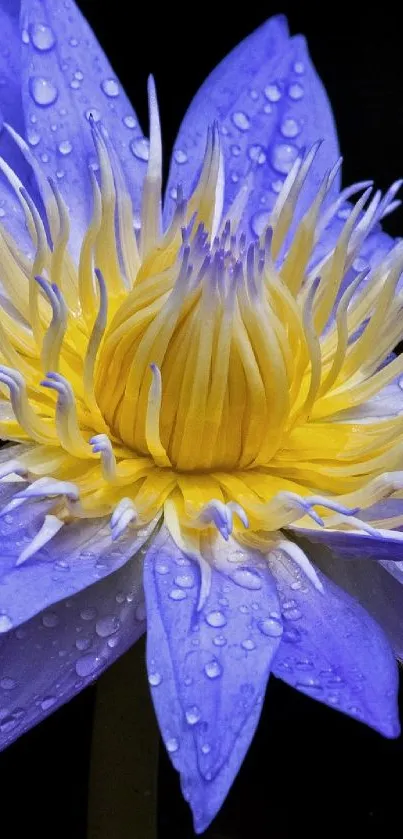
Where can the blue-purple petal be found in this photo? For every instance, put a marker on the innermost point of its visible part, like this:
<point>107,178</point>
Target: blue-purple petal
<point>270,105</point>
<point>66,79</point>
<point>333,651</point>
<point>56,654</point>
<point>10,65</point>
<point>80,555</point>
<point>208,667</point>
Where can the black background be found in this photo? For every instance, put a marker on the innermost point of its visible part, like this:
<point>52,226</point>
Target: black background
<point>309,770</point>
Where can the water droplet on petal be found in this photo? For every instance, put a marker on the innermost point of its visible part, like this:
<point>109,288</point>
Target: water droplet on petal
<point>277,186</point>
<point>140,148</point>
<point>5,623</point>
<point>140,613</point>
<point>180,156</point>
<point>248,644</point>
<point>295,91</point>
<point>290,127</point>
<point>309,684</point>
<point>235,150</point>
<point>241,120</point>
<point>154,679</point>
<point>216,618</point>
<point>219,640</point>
<point>254,95</point>
<point>50,619</point>
<point>73,42</point>
<point>75,84</point>
<point>259,222</point>
<point>247,578</point>
<point>48,702</point>
<point>65,147</point>
<point>110,87</point>
<point>272,92</point>
<point>192,715</point>
<point>304,664</point>
<point>172,745</point>
<point>43,91</point>
<point>271,627</point>
<point>87,664</point>
<point>11,720</point>
<point>299,68</point>
<point>25,36</point>
<point>83,644</point>
<point>213,669</point>
<point>88,614</point>
<point>7,684</point>
<point>129,121</point>
<point>107,626</point>
<point>177,594</point>
<point>185,580</point>
<point>42,37</point>
<point>291,635</point>
<point>93,113</point>
<point>283,157</point>
<point>205,748</point>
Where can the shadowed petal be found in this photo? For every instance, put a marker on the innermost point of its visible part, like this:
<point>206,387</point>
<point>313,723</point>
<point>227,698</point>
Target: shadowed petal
<point>333,651</point>
<point>369,583</point>
<point>269,104</point>
<point>79,555</point>
<point>66,78</point>
<point>351,544</point>
<point>56,654</point>
<point>208,669</point>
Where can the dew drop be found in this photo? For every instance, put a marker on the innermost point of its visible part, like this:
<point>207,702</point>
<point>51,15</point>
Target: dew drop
<point>65,147</point>
<point>162,568</point>
<point>140,148</point>
<point>73,42</point>
<point>88,614</point>
<point>140,613</point>
<point>295,91</point>
<point>248,644</point>
<point>213,669</point>
<point>33,137</point>
<point>283,157</point>
<point>292,614</point>
<point>61,564</point>
<point>7,684</point>
<point>291,635</point>
<point>185,580</point>
<point>154,679</point>
<point>25,36</point>
<point>5,623</point>
<point>172,745</point>
<point>234,178</point>
<point>42,37</point>
<point>43,91</point>
<point>11,720</point>
<point>254,95</point>
<point>309,684</point>
<point>93,113</point>
<point>268,109</point>
<point>259,222</point>
<point>247,578</point>
<point>304,664</point>
<point>192,715</point>
<point>241,120</point>
<point>299,67</point>
<point>277,186</point>
<point>177,594</point>
<point>50,619</point>
<point>235,150</point>
<point>205,748</point>
<point>79,75</point>
<point>216,618</point>
<point>87,664</point>
<point>75,84</point>
<point>289,127</point>
<point>272,92</point>
<point>271,626</point>
<point>180,156</point>
<point>360,264</point>
<point>107,626</point>
<point>110,87</point>
<point>83,644</point>
<point>219,641</point>
<point>48,702</point>
<point>129,121</point>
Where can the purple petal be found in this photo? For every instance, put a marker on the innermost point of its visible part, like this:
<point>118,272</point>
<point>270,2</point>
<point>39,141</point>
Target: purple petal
<point>369,583</point>
<point>208,668</point>
<point>10,65</point>
<point>56,654</point>
<point>78,556</point>
<point>358,545</point>
<point>333,651</point>
<point>65,79</point>
<point>270,105</point>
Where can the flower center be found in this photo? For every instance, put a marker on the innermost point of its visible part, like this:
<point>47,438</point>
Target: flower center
<point>186,369</point>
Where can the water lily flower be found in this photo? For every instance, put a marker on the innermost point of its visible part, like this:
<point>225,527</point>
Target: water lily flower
<point>200,397</point>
